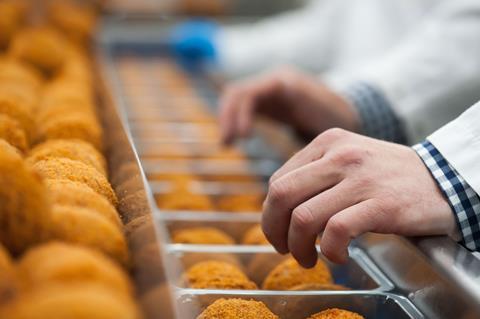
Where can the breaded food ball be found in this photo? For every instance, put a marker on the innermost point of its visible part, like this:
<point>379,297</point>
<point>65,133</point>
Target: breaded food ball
<point>70,193</point>
<point>237,309</point>
<point>77,21</point>
<point>72,149</point>
<point>42,47</point>
<point>216,275</point>
<point>202,235</point>
<point>17,72</point>
<point>289,274</point>
<point>57,263</point>
<point>80,109</point>
<point>12,15</point>
<point>86,227</point>
<point>64,168</point>
<point>24,205</point>
<point>18,111</point>
<point>183,200</point>
<point>7,276</point>
<point>255,236</point>
<point>240,203</point>
<point>335,313</point>
<point>13,133</point>
<point>72,126</point>
<point>67,90</point>
<point>74,301</point>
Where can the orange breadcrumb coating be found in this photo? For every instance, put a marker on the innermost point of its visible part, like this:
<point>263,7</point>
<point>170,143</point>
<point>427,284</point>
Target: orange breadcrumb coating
<point>72,126</point>
<point>49,111</point>
<point>66,192</point>
<point>24,207</point>
<point>237,309</point>
<point>202,235</point>
<point>87,228</point>
<point>240,203</point>
<point>18,111</point>
<point>12,132</point>
<point>7,276</point>
<point>255,236</point>
<point>73,301</point>
<point>72,149</point>
<point>12,19</point>
<point>42,47</point>
<point>335,313</point>
<point>64,168</point>
<point>289,274</point>
<point>216,275</point>
<point>16,72</point>
<point>183,200</point>
<point>56,263</point>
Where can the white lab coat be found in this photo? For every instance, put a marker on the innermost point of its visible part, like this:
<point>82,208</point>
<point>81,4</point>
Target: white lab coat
<point>424,55</point>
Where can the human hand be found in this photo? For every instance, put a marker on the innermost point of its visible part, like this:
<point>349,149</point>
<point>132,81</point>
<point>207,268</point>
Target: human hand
<point>287,96</point>
<point>345,185</point>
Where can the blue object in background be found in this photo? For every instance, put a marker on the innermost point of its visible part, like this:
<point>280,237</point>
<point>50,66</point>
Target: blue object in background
<point>193,43</point>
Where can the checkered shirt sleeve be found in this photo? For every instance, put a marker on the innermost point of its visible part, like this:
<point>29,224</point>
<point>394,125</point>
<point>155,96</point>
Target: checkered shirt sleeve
<point>377,117</point>
<point>463,200</point>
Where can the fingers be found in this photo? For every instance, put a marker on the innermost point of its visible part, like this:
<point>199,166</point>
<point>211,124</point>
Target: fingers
<point>288,192</point>
<point>309,219</point>
<point>348,224</point>
<point>312,152</point>
<point>239,104</point>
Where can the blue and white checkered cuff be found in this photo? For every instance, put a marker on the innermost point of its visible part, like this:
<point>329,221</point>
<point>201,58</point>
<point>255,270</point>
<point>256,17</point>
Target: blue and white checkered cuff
<point>376,114</point>
<point>463,200</point>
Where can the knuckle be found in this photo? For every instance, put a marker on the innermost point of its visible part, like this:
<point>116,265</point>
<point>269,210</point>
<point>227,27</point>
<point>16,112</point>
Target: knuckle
<point>330,135</point>
<point>338,227</point>
<point>278,191</point>
<point>348,155</point>
<point>302,218</point>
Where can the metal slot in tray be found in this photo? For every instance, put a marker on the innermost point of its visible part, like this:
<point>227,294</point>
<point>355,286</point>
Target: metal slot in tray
<point>297,305</point>
<point>357,274</point>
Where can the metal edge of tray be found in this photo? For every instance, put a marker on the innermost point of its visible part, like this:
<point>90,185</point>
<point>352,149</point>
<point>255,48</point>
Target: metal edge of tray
<point>136,203</point>
<point>281,299</point>
<point>357,255</point>
<point>439,276</point>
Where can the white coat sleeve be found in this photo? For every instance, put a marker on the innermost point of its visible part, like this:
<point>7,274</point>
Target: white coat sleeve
<point>459,143</point>
<point>433,75</point>
<point>246,48</point>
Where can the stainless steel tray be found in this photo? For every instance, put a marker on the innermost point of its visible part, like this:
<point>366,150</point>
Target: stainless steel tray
<point>301,306</point>
<point>439,277</point>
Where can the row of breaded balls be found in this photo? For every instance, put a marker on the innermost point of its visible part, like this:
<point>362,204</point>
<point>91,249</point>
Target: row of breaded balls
<point>57,212</point>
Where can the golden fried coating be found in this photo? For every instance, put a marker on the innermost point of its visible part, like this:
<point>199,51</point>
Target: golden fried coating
<point>184,200</point>
<point>240,203</point>
<point>12,132</point>
<point>42,47</point>
<point>17,72</point>
<point>289,274</point>
<point>67,90</point>
<point>72,126</point>
<point>314,286</point>
<point>72,149</point>
<point>66,192</point>
<point>18,111</point>
<point>51,110</point>
<point>24,204</point>
<point>237,309</point>
<point>335,313</point>
<point>216,275</point>
<point>12,15</point>
<point>62,263</point>
<point>76,20</point>
<point>64,168</point>
<point>74,301</point>
<point>7,276</point>
<point>86,227</point>
<point>202,235</point>
<point>255,236</point>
